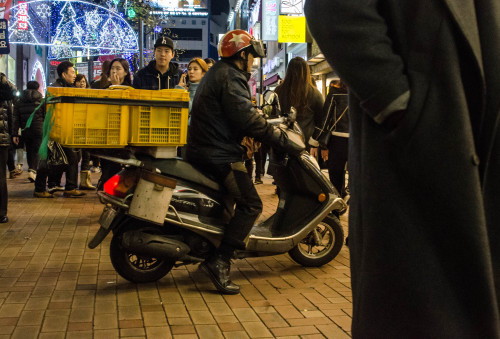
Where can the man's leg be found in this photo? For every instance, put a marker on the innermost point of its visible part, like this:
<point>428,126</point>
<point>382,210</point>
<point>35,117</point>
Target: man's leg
<point>248,208</point>
<point>3,184</point>
<point>337,158</point>
<point>70,189</point>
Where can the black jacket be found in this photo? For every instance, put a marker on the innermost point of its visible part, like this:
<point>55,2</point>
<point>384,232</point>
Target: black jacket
<point>60,82</point>
<point>30,99</point>
<point>222,114</point>
<point>336,115</point>
<point>150,78</point>
<point>308,117</point>
<point>6,96</point>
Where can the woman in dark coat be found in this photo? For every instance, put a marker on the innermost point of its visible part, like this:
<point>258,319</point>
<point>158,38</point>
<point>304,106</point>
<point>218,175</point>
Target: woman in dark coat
<point>32,136</point>
<point>424,159</point>
<point>298,91</point>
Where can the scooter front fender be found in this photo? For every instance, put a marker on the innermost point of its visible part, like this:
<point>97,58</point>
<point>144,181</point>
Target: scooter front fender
<point>109,220</point>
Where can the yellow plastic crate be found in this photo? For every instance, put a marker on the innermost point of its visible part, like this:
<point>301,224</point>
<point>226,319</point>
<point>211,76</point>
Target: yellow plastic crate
<point>89,118</point>
<point>158,118</point>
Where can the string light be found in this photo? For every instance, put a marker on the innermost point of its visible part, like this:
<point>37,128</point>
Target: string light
<point>75,27</point>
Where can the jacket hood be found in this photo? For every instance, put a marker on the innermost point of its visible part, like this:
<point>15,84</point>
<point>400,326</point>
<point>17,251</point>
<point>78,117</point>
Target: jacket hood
<point>30,95</point>
<point>173,68</point>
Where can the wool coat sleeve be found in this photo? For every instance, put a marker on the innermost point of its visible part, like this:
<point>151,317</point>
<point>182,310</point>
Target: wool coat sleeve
<point>358,35</point>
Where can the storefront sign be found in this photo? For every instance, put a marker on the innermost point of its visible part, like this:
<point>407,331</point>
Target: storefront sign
<point>270,15</point>
<point>271,64</point>
<point>22,16</point>
<point>292,29</point>
<point>292,7</point>
<point>4,37</point>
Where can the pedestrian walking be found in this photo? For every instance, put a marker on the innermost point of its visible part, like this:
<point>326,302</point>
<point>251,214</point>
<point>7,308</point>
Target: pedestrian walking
<point>32,136</point>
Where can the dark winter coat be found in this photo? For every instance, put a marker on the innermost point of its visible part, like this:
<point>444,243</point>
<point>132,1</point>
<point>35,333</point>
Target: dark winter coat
<point>424,212</point>
<point>27,103</point>
<point>222,114</point>
<point>60,82</point>
<point>308,117</point>
<point>6,96</point>
<point>150,78</point>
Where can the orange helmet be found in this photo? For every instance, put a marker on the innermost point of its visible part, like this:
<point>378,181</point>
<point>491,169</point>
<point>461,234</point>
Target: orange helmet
<point>237,40</point>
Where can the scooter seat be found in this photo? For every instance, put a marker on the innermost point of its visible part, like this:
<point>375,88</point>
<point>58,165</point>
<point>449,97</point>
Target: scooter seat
<point>184,170</point>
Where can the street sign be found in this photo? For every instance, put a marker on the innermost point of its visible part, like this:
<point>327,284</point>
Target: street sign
<point>292,29</point>
<point>4,37</point>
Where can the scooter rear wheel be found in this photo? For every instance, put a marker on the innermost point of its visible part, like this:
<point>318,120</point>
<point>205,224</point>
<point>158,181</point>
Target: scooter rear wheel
<point>134,267</point>
<point>320,246</point>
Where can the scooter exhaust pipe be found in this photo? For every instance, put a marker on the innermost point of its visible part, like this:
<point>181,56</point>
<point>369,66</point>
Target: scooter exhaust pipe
<point>154,245</point>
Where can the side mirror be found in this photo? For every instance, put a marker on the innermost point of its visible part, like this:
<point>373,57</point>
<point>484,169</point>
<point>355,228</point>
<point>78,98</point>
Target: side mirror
<point>269,97</point>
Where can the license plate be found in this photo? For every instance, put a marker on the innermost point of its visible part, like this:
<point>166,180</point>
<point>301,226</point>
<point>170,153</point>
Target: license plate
<point>107,217</point>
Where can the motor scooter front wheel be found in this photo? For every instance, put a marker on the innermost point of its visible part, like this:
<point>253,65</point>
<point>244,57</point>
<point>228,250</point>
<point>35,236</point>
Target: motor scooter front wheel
<point>135,267</point>
<point>321,245</point>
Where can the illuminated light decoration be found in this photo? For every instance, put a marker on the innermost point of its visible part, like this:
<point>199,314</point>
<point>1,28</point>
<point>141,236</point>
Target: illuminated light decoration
<point>43,11</point>
<point>38,74</point>
<point>116,2</point>
<point>73,28</point>
<point>22,16</point>
<point>131,13</point>
<point>158,29</point>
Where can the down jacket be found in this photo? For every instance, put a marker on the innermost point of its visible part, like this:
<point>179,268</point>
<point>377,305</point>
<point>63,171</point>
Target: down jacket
<point>6,95</point>
<point>29,101</point>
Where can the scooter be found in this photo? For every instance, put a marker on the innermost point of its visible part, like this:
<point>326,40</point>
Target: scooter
<point>165,213</point>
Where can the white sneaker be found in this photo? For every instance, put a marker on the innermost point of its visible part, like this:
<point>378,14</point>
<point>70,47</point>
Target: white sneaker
<point>31,175</point>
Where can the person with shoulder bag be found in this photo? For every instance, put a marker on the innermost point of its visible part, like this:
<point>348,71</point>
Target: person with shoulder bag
<point>333,135</point>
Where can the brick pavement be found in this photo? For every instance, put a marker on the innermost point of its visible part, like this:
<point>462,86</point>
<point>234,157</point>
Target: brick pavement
<point>53,286</point>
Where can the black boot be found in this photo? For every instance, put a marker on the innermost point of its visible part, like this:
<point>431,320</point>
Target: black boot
<point>217,267</point>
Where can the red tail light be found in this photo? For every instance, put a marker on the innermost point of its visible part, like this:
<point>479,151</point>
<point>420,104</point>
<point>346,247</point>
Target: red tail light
<point>120,184</point>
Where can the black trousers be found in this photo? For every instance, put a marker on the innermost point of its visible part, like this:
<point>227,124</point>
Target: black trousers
<point>260,160</point>
<point>239,186</point>
<point>338,149</point>
<point>32,143</point>
<point>4,150</point>
<point>73,155</point>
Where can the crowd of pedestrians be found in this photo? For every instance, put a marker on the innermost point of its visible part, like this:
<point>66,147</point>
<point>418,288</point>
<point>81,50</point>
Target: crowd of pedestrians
<point>161,73</point>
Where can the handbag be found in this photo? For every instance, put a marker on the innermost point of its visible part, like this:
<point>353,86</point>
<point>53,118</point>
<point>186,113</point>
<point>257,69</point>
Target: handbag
<point>56,158</point>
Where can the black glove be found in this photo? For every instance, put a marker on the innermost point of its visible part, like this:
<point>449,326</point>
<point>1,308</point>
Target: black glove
<point>287,141</point>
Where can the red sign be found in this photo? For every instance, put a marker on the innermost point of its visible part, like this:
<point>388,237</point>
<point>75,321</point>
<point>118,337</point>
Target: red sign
<point>22,16</point>
<point>5,9</point>
<point>55,63</point>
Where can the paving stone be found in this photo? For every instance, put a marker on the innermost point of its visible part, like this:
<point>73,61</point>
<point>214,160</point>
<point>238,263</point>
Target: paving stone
<point>30,318</point>
<point>154,319</point>
<point>26,332</point>
<point>257,329</point>
<point>209,331</point>
<point>158,332</point>
<point>55,324</point>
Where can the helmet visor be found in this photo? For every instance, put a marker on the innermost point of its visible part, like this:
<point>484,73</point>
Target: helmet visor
<point>258,48</point>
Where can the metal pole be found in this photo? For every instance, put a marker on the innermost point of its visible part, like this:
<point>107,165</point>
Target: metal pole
<point>261,72</point>
<point>141,43</point>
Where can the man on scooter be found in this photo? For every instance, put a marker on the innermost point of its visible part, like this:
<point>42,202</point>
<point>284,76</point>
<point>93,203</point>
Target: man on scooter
<point>222,114</point>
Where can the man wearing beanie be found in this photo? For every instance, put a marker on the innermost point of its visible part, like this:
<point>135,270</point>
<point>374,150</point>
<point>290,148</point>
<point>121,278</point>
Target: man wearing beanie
<point>160,73</point>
